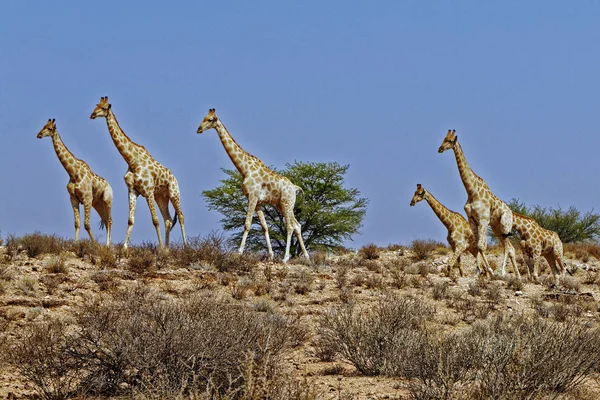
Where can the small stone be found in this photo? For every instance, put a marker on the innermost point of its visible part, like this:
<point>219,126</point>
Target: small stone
<point>519,293</point>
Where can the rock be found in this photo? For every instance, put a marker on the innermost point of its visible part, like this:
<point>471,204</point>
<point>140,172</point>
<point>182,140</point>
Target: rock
<point>519,293</point>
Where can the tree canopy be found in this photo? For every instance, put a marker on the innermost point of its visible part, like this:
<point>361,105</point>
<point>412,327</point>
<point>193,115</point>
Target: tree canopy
<point>328,212</point>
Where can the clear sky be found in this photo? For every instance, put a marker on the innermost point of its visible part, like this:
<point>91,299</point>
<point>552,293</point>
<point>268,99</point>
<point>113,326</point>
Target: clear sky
<point>372,84</point>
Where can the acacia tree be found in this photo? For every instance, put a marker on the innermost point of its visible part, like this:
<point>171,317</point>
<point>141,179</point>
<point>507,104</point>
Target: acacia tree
<point>328,212</point>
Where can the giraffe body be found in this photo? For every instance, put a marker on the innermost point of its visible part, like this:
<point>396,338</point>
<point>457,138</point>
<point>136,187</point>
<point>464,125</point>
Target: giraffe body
<point>261,185</point>
<point>460,237</point>
<point>483,209</point>
<point>145,176</point>
<point>537,242</point>
<point>84,187</point>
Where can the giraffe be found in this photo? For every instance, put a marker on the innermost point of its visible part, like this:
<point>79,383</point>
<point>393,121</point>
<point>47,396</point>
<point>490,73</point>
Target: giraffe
<point>84,187</point>
<point>145,176</point>
<point>460,237</point>
<point>536,242</point>
<point>483,208</point>
<point>261,186</point>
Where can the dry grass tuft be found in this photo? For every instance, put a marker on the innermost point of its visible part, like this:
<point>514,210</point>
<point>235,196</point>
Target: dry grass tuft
<point>370,252</point>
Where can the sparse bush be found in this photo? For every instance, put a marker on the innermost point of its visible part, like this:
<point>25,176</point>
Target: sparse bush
<point>423,249</point>
<point>159,348</point>
<point>34,244</point>
<point>142,259</point>
<point>370,252</point>
<point>374,338</point>
<point>57,265</point>
<point>440,290</point>
<point>104,257</point>
<point>237,263</point>
<point>240,288</point>
<point>27,285</point>
<point>303,282</point>
<point>570,283</point>
<point>514,283</point>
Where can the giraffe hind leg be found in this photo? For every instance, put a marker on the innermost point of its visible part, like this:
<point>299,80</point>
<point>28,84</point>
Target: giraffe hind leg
<point>252,202</point>
<point>263,224</point>
<point>163,206</point>
<point>76,216</point>
<point>176,201</point>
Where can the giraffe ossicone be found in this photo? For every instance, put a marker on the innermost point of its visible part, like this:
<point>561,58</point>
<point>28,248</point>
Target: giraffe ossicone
<point>261,185</point>
<point>145,176</point>
<point>84,187</point>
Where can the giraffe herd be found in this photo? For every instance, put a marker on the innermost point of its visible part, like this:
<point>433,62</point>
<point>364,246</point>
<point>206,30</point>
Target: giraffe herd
<point>484,209</point>
<point>156,183</point>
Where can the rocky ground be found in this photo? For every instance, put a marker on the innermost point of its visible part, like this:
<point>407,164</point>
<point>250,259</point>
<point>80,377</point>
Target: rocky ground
<point>33,288</point>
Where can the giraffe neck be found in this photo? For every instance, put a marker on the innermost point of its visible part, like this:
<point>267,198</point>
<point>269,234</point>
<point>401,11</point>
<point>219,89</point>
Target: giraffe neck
<point>128,149</point>
<point>440,210</point>
<point>67,159</point>
<point>521,225</point>
<point>466,173</point>
<point>240,158</point>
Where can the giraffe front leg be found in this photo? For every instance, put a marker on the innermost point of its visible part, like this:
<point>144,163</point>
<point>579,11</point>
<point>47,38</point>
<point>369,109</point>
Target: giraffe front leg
<point>87,209</point>
<point>263,223</point>
<point>252,202</point>
<point>75,205</point>
<point>481,229</point>
<point>150,201</point>
<point>509,253</point>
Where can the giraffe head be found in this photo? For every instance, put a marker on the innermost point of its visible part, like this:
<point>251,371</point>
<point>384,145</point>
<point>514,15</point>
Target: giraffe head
<point>449,141</point>
<point>210,121</point>
<point>101,109</point>
<point>48,130</point>
<point>419,195</point>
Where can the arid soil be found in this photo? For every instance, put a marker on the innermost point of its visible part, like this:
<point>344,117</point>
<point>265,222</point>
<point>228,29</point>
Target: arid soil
<point>50,285</point>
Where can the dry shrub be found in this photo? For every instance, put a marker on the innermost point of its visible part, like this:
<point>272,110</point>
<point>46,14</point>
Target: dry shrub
<point>57,265</point>
<point>370,252</point>
<point>27,285</point>
<point>503,357</point>
<point>570,283</point>
<point>237,263</point>
<point>105,280</point>
<point>318,257</point>
<point>514,283</point>
<point>83,248</point>
<point>374,338</point>
<point>104,257</point>
<point>53,281</point>
<point>303,282</point>
<point>341,276</point>
<point>160,348</point>
<point>240,288</point>
<point>440,290</point>
<point>423,249</point>
<point>142,259</point>
<point>208,250</point>
<point>34,244</point>
<point>583,251</point>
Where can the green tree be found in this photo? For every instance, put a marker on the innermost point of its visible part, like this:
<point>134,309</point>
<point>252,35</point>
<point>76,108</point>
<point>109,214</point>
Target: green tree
<point>328,212</point>
<point>570,224</point>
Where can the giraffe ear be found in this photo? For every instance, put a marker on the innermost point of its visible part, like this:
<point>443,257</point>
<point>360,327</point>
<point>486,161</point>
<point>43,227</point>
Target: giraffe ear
<point>53,120</point>
<point>418,186</point>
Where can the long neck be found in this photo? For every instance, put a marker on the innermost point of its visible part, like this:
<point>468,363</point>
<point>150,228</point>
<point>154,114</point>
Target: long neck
<point>440,210</point>
<point>67,159</point>
<point>466,173</point>
<point>126,146</point>
<point>521,225</point>
<point>238,156</point>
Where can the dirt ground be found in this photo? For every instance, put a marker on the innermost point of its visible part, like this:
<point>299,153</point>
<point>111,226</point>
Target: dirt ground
<point>29,290</point>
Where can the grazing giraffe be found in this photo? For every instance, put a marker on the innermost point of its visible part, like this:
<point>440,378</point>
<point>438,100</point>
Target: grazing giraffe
<point>261,186</point>
<point>145,176</point>
<point>84,187</point>
<point>483,208</point>
<point>536,242</point>
<point>460,235</point>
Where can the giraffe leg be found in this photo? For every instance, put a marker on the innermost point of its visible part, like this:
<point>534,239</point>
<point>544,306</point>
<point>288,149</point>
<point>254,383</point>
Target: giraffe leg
<point>75,205</point>
<point>150,201</point>
<point>298,231</point>
<point>263,223</point>
<point>163,206</point>
<point>252,202</point>
<point>103,211</point>
<point>480,232</point>
<point>87,208</point>
<point>133,195</point>
<point>289,230</point>
<point>509,253</point>
<point>176,201</point>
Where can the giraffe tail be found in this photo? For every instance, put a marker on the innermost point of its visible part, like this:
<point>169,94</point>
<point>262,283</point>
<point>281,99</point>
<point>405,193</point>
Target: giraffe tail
<point>174,222</point>
<point>299,189</point>
<point>101,225</point>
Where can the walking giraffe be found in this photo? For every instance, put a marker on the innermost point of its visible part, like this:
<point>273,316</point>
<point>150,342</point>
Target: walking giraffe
<point>84,187</point>
<point>460,237</point>
<point>483,208</point>
<point>537,242</point>
<point>145,176</point>
<point>260,185</point>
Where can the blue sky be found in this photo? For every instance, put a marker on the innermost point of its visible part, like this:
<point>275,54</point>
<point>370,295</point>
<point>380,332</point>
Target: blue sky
<point>374,85</point>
